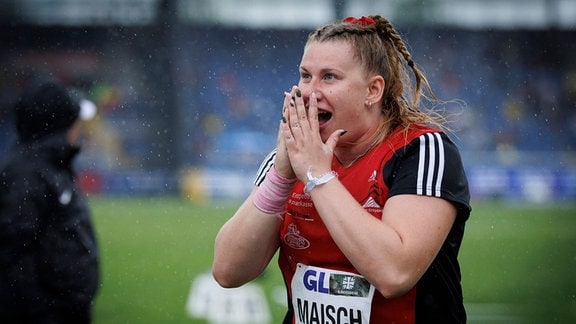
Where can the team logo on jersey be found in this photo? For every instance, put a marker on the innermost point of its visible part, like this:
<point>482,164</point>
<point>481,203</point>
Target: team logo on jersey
<point>371,203</point>
<point>372,176</point>
<point>372,206</point>
<point>294,240</point>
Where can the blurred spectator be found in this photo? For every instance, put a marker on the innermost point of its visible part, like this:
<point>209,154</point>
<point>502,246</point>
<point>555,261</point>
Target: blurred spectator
<point>49,262</point>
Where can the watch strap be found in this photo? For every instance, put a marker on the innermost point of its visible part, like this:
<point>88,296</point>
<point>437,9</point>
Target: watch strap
<point>314,182</point>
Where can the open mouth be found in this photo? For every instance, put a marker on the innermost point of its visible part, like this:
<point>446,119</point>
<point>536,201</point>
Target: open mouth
<point>324,116</point>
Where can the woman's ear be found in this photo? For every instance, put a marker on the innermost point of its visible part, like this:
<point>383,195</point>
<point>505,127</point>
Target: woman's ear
<point>375,89</point>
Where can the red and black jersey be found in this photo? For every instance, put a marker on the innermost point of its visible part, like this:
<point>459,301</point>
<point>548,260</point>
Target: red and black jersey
<point>420,161</point>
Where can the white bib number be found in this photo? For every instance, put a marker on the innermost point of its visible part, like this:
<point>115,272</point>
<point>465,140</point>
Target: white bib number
<point>329,296</point>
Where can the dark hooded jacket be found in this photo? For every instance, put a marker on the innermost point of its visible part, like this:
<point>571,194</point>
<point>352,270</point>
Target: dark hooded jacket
<point>49,271</point>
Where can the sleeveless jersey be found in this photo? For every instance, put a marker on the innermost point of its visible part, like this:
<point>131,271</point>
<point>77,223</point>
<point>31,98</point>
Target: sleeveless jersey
<point>421,161</point>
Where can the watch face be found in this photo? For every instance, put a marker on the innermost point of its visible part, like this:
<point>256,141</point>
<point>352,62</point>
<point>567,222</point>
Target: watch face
<point>313,182</point>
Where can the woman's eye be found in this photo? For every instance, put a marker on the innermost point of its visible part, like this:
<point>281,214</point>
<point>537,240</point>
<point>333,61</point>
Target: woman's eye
<point>329,76</point>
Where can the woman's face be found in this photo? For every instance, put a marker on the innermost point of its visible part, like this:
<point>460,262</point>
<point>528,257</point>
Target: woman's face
<point>330,70</point>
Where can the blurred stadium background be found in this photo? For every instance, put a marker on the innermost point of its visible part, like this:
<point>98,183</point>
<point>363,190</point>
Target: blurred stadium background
<point>188,90</point>
<point>189,99</point>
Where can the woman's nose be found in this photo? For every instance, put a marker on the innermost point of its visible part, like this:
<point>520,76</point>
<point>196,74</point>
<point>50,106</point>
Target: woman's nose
<point>307,90</point>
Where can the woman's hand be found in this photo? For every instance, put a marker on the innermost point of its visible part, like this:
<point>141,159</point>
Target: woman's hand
<point>282,162</point>
<point>300,133</point>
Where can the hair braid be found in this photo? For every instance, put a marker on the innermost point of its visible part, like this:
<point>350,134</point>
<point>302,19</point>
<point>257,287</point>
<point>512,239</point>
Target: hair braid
<point>390,32</point>
<point>406,111</point>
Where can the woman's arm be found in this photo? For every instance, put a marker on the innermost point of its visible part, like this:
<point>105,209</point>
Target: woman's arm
<point>247,241</point>
<point>392,253</point>
<point>245,245</point>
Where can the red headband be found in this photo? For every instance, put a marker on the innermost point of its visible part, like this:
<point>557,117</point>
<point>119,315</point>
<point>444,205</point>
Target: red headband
<point>364,21</point>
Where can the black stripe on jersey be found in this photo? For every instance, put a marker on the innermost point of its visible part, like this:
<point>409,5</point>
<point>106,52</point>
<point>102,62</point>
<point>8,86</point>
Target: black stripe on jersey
<point>264,167</point>
<point>431,162</point>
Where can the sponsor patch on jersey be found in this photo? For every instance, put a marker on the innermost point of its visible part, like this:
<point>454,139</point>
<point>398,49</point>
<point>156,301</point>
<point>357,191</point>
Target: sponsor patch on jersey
<point>294,240</point>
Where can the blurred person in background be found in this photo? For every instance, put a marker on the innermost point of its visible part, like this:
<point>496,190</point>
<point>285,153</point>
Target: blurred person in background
<point>49,259</point>
<point>365,195</point>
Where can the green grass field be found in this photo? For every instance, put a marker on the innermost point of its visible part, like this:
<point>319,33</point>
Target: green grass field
<point>518,261</point>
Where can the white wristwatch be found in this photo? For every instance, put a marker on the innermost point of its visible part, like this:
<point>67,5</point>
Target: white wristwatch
<point>313,182</point>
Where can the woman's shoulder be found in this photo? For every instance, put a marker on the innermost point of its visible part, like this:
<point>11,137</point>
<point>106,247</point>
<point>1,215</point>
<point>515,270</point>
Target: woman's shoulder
<point>265,165</point>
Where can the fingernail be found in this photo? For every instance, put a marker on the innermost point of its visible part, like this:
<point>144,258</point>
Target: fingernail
<point>298,93</point>
<point>343,132</point>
